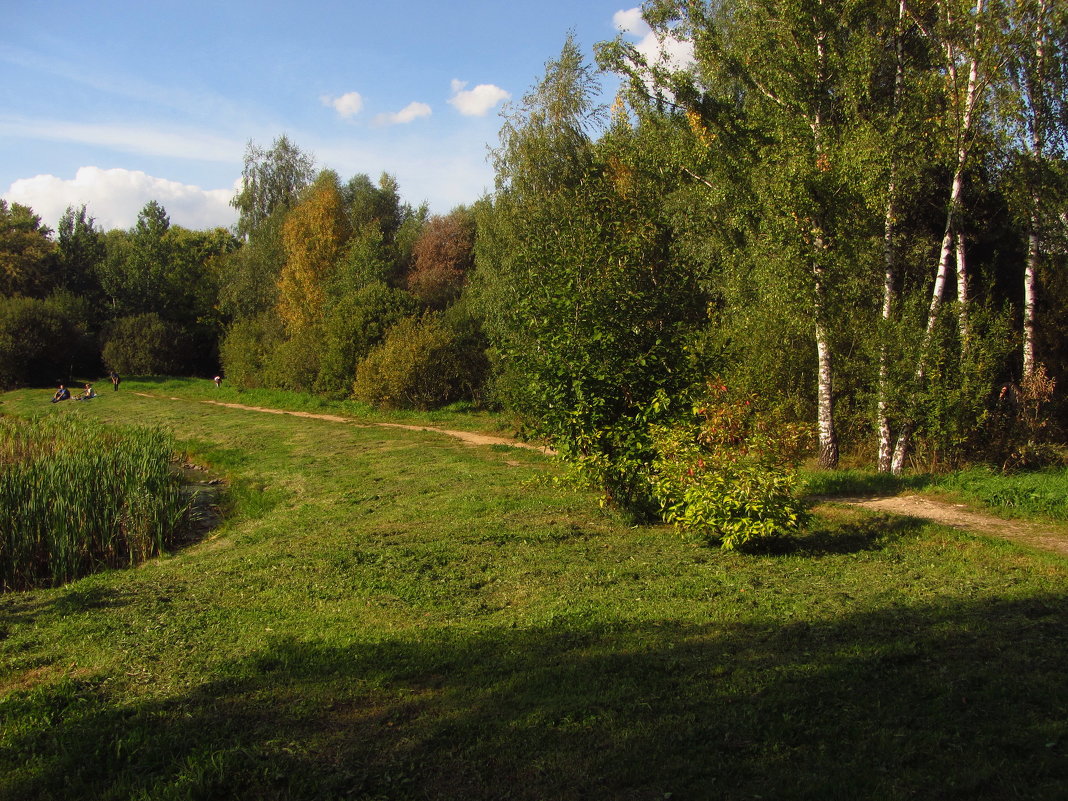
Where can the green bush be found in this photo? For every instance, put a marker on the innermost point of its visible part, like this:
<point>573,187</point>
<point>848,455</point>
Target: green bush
<point>729,472</point>
<point>420,365</point>
<point>357,322</point>
<point>39,344</point>
<point>246,349</point>
<point>146,344</point>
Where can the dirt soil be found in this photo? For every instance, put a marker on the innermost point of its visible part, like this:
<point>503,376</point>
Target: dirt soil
<point>465,436</point>
<point>956,515</point>
<point>960,516</point>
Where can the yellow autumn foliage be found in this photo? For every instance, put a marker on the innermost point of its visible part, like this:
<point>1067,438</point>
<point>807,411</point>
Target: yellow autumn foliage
<point>313,237</point>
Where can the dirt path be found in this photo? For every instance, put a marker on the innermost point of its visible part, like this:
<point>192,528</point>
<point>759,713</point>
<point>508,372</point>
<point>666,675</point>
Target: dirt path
<point>960,516</point>
<point>465,436</point>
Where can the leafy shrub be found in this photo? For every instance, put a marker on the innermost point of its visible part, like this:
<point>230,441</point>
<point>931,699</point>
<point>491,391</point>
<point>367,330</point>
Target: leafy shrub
<point>729,473</point>
<point>357,322</point>
<point>246,349</point>
<point>419,365</point>
<point>146,344</point>
<point>293,363</point>
<point>1024,436</point>
<point>39,344</point>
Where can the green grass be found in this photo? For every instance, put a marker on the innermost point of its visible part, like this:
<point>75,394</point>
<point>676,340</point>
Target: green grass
<point>458,416</point>
<point>860,482</point>
<point>392,614</point>
<point>1042,494</point>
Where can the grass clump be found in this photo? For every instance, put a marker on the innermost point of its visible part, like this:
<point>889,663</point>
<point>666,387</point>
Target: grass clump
<point>76,496</point>
<point>1043,493</point>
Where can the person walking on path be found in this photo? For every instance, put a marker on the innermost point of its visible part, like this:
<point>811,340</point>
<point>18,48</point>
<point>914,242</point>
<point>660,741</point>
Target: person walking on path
<point>115,381</point>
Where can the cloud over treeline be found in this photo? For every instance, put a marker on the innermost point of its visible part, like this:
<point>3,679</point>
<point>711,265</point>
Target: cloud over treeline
<point>114,197</point>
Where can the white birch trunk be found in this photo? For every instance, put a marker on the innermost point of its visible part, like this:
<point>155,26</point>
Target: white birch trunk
<point>962,291</point>
<point>952,211</point>
<point>828,439</point>
<point>1030,272</point>
<point>1034,244</point>
<point>890,265</point>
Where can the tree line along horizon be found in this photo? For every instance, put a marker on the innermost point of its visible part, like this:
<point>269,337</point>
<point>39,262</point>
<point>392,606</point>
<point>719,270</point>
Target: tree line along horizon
<point>851,216</point>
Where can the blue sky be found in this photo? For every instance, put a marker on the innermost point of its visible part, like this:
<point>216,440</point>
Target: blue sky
<point>115,103</point>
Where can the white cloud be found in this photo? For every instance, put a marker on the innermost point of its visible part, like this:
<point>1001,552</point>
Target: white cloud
<point>478,101</point>
<point>347,105</point>
<point>186,144</point>
<point>630,21</point>
<point>667,51</point>
<point>114,198</point>
<point>410,112</point>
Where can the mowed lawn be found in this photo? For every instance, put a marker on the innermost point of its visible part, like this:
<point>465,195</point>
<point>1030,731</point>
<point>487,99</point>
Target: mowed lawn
<point>392,614</point>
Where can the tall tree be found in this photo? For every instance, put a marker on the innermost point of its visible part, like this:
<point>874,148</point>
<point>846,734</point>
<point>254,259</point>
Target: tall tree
<point>314,236</point>
<point>80,251</point>
<point>26,252</point>
<point>781,84</point>
<point>589,313</point>
<point>134,274</point>
<point>271,179</point>
<point>442,256</point>
<point>966,36</point>
<point>1035,108</point>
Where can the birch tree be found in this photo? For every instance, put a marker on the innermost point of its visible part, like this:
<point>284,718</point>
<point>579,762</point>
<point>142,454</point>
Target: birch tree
<point>795,72</point>
<point>967,37</point>
<point>1034,106</point>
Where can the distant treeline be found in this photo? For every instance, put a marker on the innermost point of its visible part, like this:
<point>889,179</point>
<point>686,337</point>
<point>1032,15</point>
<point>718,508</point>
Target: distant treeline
<point>853,215</point>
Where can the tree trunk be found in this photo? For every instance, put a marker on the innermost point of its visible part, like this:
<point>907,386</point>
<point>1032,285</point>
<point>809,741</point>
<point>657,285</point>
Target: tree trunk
<point>890,265</point>
<point>962,292</point>
<point>1030,272</point>
<point>949,237</point>
<point>828,440</point>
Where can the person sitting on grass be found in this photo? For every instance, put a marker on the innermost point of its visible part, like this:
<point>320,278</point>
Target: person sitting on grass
<point>62,394</point>
<point>89,393</point>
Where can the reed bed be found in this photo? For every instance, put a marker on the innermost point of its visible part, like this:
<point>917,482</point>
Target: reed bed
<point>77,496</point>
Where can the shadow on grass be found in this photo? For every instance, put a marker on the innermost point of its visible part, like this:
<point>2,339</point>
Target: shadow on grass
<point>961,701</point>
<point>831,483</point>
<point>827,538</point>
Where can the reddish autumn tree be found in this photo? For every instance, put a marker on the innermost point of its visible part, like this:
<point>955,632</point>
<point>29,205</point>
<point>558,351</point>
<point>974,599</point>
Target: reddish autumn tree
<point>441,258</point>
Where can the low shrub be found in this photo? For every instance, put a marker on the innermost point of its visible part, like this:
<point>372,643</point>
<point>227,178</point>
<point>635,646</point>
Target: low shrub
<point>146,344</point>
<point>423,363</point>
<point>729,472</point>
<point>39,344</point>
<point>247,347</point>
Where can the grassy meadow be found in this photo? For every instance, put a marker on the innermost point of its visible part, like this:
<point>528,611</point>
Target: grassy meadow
<point>393,614</point>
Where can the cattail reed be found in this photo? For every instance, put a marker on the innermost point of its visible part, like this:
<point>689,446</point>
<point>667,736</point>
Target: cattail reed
<point>77,496</point>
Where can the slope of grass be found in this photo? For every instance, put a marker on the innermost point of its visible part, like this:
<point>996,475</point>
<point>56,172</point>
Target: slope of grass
<point>458,416</point>
<point>395,615</point>
<point>1039,495</point>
